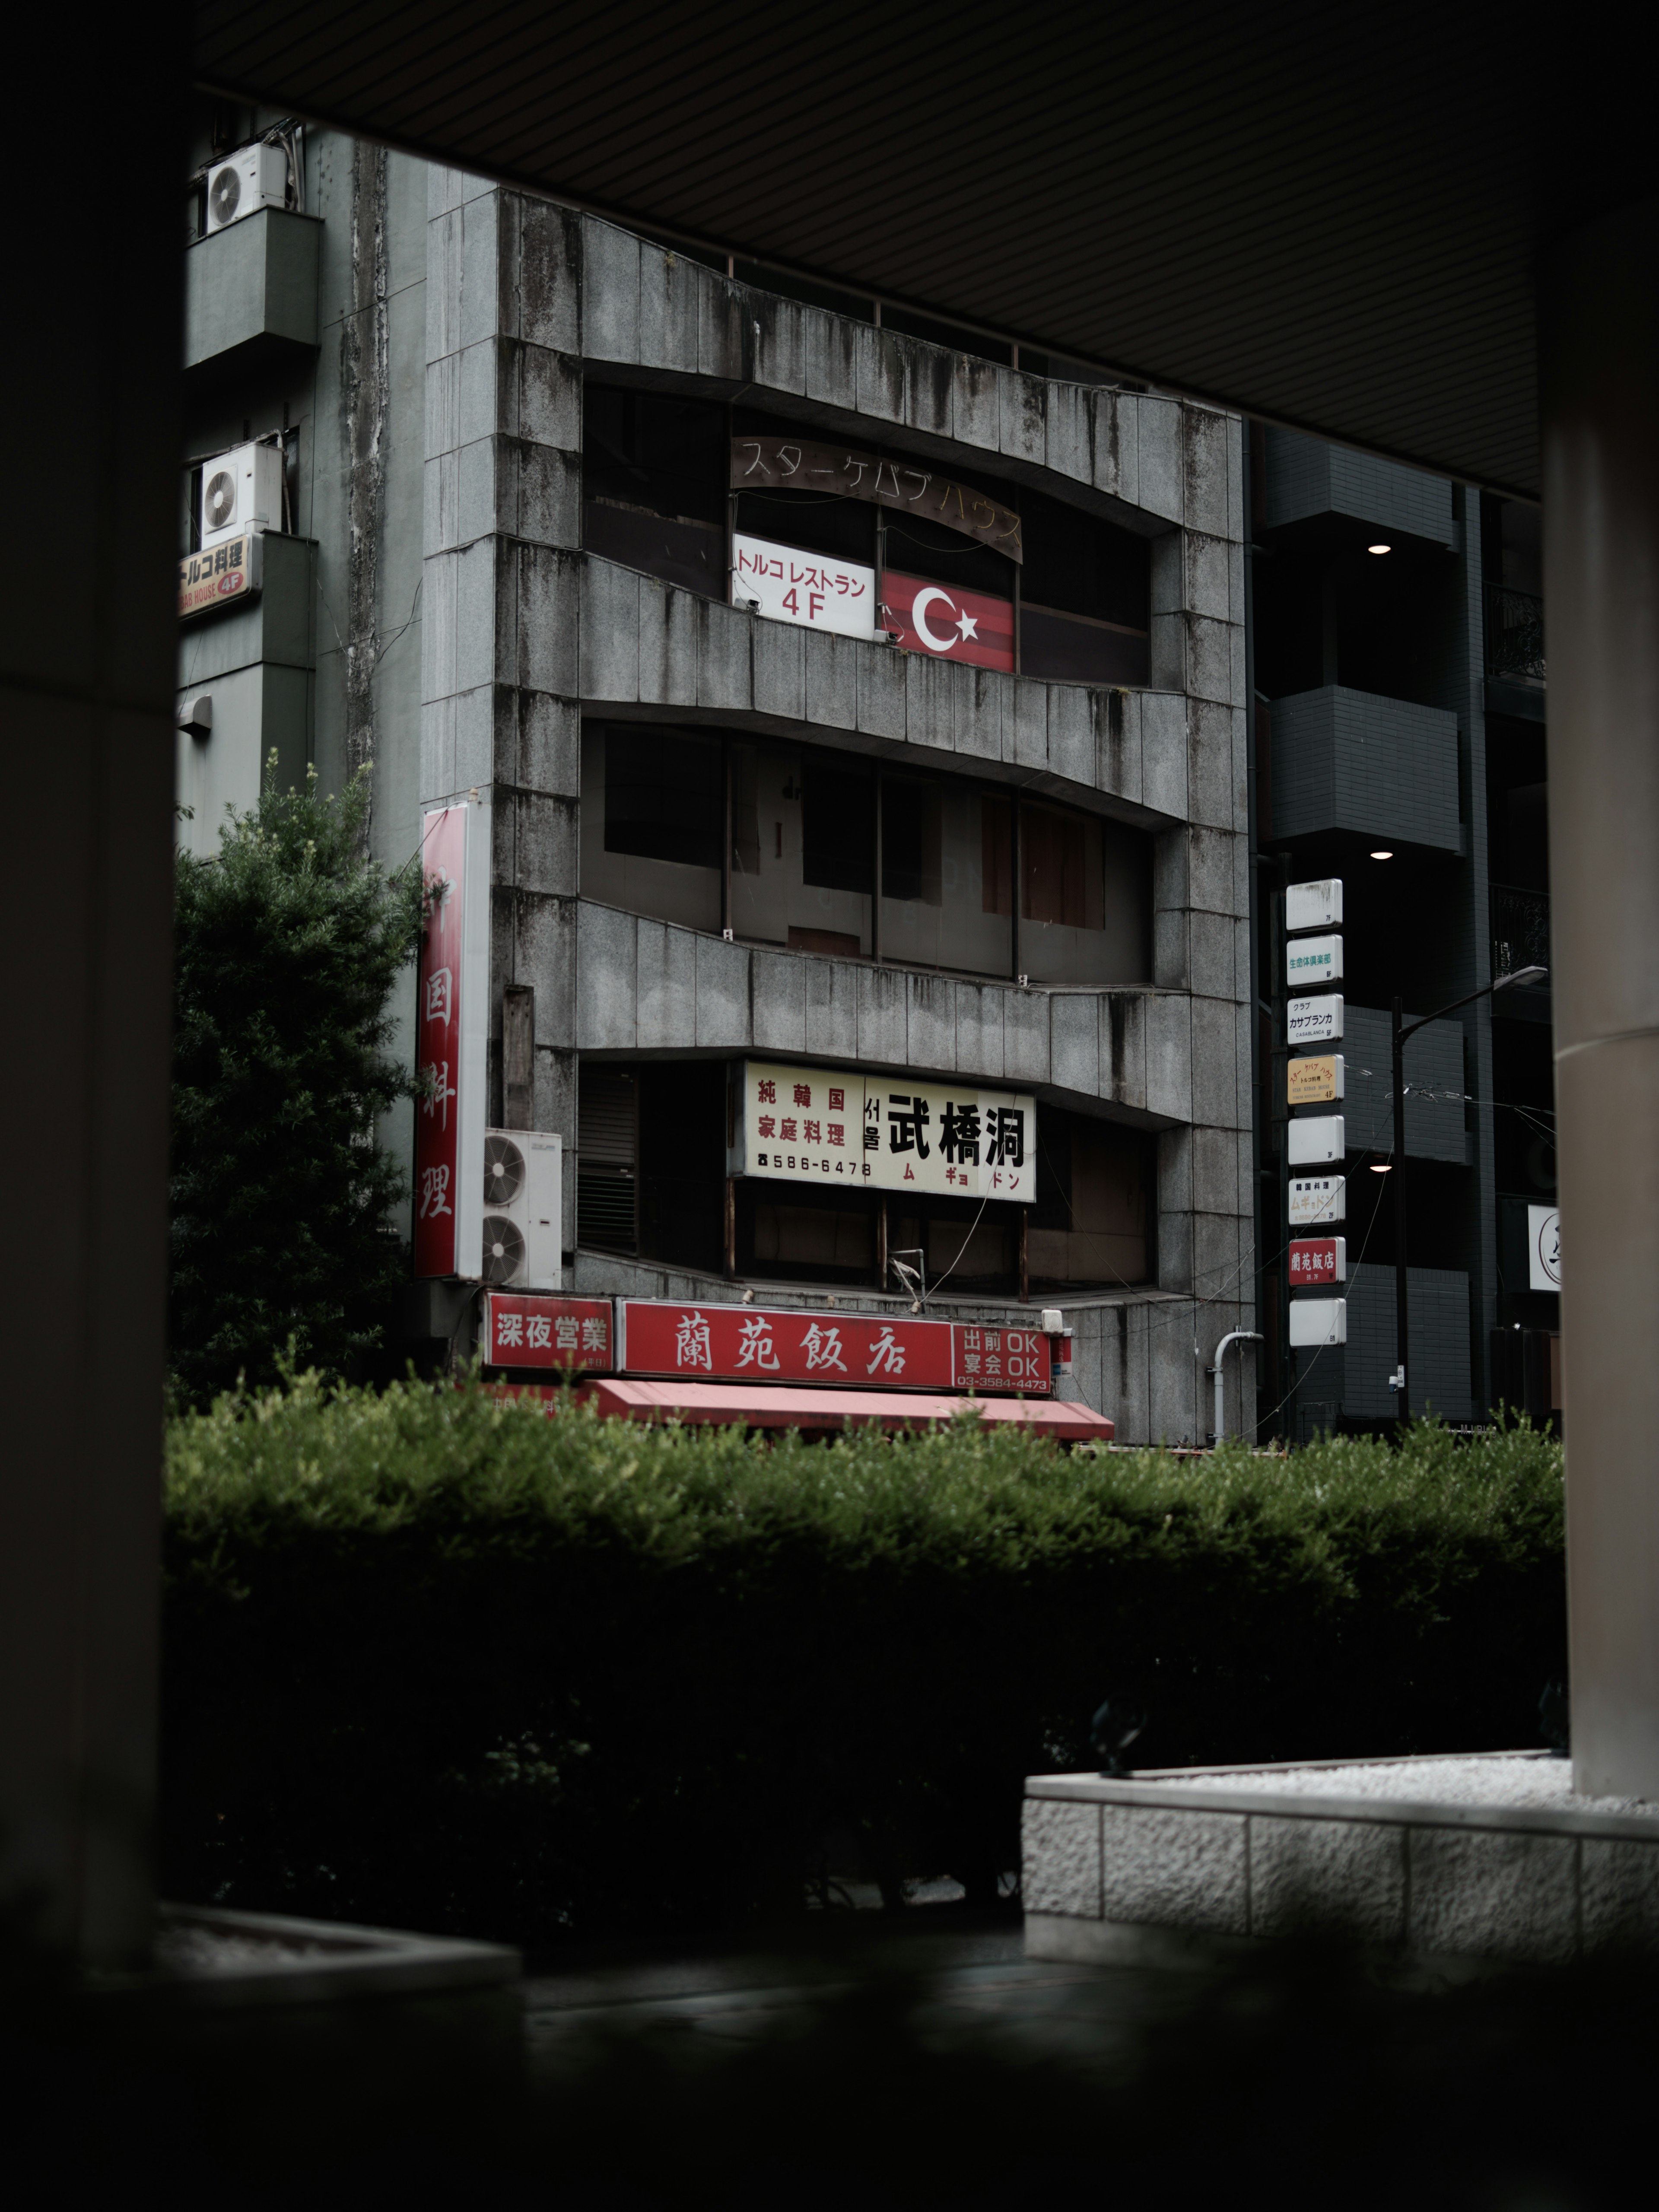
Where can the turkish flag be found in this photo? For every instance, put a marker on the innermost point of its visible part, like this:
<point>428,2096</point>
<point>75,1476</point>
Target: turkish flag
<point>948,622</point>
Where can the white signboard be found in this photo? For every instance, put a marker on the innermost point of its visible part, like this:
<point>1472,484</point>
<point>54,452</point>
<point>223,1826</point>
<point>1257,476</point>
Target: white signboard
<point>1314,1021</point>
<point>1318,1198</point>
<point>1317,1323</point>
<point>1543,1247</point>
<point>885,1133</point>
<point>1314,906</point>
<point>1313,960</point>
<point>1322,1137</point>
<point>789,586</point>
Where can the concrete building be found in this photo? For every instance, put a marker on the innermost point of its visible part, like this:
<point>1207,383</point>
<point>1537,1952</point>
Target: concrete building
<point>517,447</point>
<point>1397,666</point>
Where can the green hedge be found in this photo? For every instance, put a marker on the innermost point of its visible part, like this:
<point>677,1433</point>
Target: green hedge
<point>435,1660</point>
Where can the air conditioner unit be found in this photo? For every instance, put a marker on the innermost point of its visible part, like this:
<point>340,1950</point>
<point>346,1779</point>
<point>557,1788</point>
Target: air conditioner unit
<point>242,492</point>
<point>252,178</point>
<point>523,1209</point>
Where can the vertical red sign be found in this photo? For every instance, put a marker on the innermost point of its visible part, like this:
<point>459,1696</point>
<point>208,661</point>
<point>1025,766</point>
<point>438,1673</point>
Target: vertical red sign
<point>438,1039</point>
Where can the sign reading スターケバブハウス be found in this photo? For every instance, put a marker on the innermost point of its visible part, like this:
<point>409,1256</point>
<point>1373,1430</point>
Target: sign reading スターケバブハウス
<point>885,1133</point>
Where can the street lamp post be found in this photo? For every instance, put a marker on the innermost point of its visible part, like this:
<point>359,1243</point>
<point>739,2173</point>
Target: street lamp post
<point>1402,1029</point>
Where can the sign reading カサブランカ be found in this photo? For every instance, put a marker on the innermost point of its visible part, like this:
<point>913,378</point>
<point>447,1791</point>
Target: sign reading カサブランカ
<point>885,1133</point>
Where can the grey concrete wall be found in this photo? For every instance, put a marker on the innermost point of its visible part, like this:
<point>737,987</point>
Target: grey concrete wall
<point>1355,759</point>
<point>252,289</point>
<point>1307,477</point>
<point>522,631</point>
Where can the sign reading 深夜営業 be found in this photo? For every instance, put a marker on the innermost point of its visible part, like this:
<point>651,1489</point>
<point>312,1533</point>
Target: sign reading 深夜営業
<point>220,574</point>
<point>736,1344</point>
<point>1318,1198</point>
<point>948,622</point>
<point>1314,1021</point>
<point>1543,1247</point>
<point>522,1329</point>
<point>1310,960</point>
<point>885,1133</point>
<point>1315,1081</point>
<point>786,585</point>
<point>771,463</point>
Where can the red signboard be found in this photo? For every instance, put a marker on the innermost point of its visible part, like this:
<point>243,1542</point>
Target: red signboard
<point>856,1351</point>
<point>948,622</point>
<point>438,1041</point>
<point>1316,1261</point>
<point>522,1329</point>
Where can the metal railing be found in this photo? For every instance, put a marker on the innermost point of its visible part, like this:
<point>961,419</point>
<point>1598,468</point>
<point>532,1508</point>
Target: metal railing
<point>1520,929</point>
<point>1514,634</point>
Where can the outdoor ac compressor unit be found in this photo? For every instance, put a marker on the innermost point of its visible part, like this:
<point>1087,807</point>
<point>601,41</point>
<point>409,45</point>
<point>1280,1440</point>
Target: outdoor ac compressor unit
<point>242,492</point>
<point>523,1202</point>
<point>252,178</point>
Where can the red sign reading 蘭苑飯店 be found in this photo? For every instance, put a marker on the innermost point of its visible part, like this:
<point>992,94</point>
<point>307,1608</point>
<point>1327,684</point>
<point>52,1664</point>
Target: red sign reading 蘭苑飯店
<point>732,1343</point>
<point>948,622</point>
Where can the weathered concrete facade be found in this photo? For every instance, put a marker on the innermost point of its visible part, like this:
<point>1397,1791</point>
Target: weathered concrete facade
<point>454,632</point>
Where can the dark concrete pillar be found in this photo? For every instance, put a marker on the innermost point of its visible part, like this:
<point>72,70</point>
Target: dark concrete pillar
<point>1599,331</point>
<point>88,629</point>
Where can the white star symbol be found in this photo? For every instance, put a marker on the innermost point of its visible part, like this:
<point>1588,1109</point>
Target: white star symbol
<point>969,625</point>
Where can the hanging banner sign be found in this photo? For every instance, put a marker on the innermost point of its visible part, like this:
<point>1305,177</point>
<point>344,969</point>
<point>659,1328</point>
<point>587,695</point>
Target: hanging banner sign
<point>1543,1247</point>
<point>522,1329</point>
<point>734,1344</point>
<point>948,622</point>
<point>1318,1198</point>
<point>786,585</point>
<point>885,1133</point>
<point>451,995</point>
<point>1314,1082</point>
<point>1314,1021</point>
<point>221,576</point>
<point>1310,960</point>
<point>773,464</point>
<point>1318,1262</point>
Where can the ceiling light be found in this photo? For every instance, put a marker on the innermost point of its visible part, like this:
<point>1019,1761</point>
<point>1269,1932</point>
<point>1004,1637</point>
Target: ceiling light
<point>1379,548</point>
<point>1381,1167</point>
<point>1381,856</point>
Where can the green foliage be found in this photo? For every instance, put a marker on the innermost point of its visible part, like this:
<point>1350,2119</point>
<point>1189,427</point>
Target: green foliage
<point>441,1661</point>
<point>288,944</point>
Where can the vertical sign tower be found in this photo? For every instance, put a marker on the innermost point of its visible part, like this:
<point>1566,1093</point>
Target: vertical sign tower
<point>1316,1132</point>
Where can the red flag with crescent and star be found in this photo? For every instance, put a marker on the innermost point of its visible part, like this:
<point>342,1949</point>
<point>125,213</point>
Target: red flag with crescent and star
<point>946,622</point>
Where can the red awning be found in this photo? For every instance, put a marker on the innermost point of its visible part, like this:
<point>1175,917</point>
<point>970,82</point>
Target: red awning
<point>767,1406</point>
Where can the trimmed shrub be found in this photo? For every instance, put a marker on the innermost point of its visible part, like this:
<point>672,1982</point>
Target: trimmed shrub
<point>438,1661</point>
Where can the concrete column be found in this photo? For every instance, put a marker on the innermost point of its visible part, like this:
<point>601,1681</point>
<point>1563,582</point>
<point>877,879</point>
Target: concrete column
<point>88,632</point>
<point>1600,331</point>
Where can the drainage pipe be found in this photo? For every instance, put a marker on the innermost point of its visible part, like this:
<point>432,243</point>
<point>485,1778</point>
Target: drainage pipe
<point>1236,1336</point>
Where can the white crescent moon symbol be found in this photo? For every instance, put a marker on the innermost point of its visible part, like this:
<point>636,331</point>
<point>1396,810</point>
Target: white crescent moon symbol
<point>919,607</point>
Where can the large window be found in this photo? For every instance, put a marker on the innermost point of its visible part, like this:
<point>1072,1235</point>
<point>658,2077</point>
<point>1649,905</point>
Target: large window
<point>831,853</point>
<point>1096,1209</point>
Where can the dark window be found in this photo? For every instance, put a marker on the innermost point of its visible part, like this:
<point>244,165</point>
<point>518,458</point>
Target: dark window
<point>607,1147</point>
<point>682,1163</point>
<point>917,546</point>
<point>654,485</point>
<point>1078,564</point>
<point>805,1236</point>
<point>816,522</point>
<point>1096,1202</point>
<point>664,796</point>
<point>838,827</point>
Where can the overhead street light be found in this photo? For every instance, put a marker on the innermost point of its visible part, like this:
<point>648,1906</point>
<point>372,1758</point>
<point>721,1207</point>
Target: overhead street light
<point>1402,1029</point>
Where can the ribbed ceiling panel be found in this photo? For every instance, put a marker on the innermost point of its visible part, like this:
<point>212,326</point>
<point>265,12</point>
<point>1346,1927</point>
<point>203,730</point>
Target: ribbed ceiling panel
<point>1325,216</point>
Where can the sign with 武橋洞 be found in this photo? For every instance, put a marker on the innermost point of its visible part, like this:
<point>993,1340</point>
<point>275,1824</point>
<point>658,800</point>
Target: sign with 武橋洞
<point>773,463</point>
<point>220,575</point>
<point>786,585</point>
<point>885,1133</point>
<point>738,1344</point>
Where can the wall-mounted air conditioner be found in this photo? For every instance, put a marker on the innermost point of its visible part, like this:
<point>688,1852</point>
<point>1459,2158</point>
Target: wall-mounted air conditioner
<point>523,1203</point>
<point>242,492</point>
<point>252,178</point>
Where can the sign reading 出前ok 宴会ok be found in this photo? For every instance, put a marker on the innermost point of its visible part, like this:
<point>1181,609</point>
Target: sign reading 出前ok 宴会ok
<point>782,582</point>
<point>885,1133</point>
<point>750,1344</point>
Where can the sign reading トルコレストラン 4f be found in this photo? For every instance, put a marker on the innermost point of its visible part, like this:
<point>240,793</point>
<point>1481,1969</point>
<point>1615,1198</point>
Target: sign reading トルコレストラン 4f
<point>882,1133</point>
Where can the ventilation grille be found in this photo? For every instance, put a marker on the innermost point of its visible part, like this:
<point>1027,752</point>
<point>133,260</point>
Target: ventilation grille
<point>606,1147</point>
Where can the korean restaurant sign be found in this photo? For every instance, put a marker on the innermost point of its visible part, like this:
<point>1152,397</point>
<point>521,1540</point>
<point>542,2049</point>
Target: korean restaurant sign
<point>1318,1198</point>
<point>772,464</point>
<point>219,576</point>
<point>522,1329</point>
<point>950,623</point>
<point>885,1133</point>
<point>738,1344</point>
<point>786,585</point>
<point>451,1001</point>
